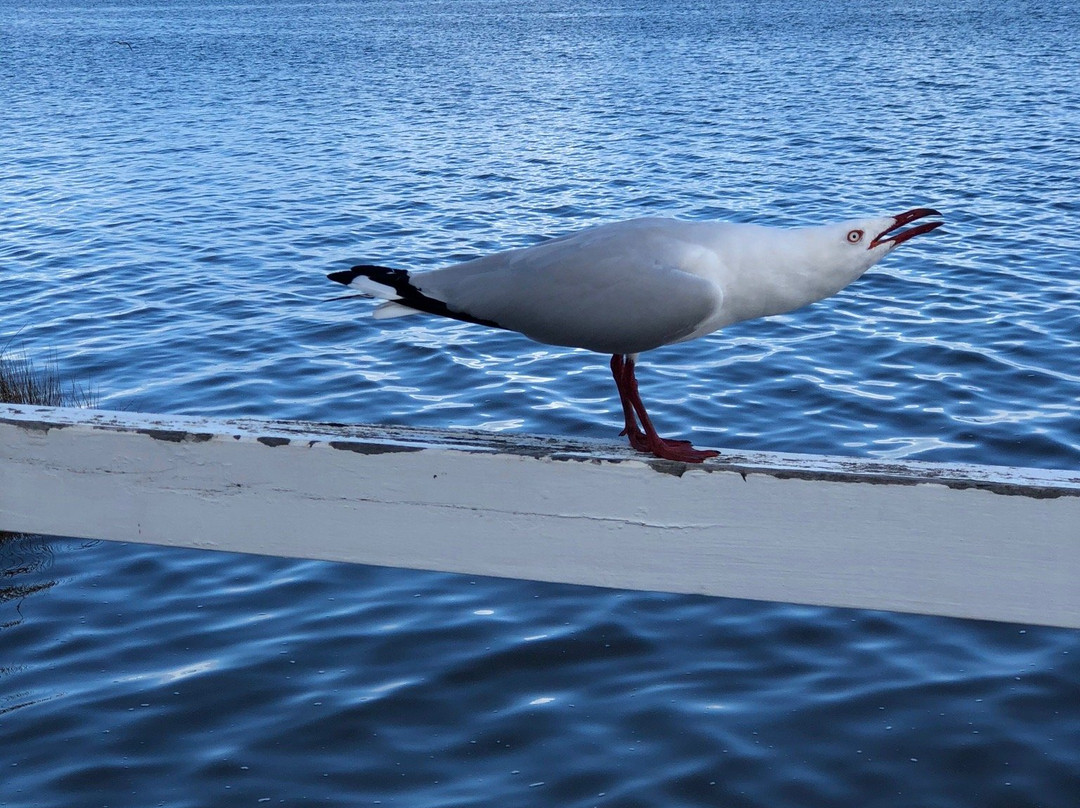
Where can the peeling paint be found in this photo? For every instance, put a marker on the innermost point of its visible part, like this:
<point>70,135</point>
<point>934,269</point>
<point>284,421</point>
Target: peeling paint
<point>855,475</point>
<point>176,435</point>
<point>371,440</point>
<point>672,467</point>
<point>371,448</point>
<point>39,426</point>
<point>170,435</point>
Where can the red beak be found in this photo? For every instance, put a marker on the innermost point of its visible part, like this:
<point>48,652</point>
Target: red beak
<point>899,221</point>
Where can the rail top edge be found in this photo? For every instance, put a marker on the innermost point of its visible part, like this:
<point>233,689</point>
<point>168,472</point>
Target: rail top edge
<point>378,438</point>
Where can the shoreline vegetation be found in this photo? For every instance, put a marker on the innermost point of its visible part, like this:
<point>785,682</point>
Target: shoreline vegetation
<point>23,382</point>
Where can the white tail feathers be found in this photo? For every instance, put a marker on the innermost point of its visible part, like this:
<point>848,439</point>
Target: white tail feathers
<point>392,308</point>
<point>401,296</point>
<point>367,286</point>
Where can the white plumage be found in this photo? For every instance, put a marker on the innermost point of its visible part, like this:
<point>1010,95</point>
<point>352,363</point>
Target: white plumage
<point>632,286</point>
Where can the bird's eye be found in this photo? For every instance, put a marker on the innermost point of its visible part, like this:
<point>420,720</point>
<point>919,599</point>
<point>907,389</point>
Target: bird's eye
<point>854,237</point>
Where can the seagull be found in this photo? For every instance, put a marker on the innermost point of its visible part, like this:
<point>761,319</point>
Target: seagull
<point>628,287</point>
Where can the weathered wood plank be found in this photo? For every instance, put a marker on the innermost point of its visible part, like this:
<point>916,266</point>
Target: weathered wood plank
<point>967,541</point>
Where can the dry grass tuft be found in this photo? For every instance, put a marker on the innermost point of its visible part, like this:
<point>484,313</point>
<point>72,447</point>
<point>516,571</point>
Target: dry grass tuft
<point>23,383</point>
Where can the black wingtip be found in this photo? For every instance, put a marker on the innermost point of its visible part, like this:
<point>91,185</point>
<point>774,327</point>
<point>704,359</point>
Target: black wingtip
<point>408,295</point>
<point>345,276</point>
<point>394,278</point>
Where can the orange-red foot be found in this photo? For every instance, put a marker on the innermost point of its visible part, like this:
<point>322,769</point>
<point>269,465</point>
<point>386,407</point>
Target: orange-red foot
<point>681,450</point>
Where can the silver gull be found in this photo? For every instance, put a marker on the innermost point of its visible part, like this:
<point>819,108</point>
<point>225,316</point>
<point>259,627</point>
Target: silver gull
<point>629,287</point>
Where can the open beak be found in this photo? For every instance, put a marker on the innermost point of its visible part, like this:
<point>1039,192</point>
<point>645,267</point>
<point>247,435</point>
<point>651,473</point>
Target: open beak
<point>898,238</point>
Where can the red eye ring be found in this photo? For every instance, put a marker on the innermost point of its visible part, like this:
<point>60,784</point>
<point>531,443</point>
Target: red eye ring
<point>855,236</point>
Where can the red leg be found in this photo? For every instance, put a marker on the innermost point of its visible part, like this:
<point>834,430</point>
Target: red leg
<point>622,369</point>
<point>631,428</point>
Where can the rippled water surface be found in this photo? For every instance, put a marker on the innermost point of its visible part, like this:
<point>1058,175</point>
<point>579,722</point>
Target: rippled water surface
<point>177,178</point>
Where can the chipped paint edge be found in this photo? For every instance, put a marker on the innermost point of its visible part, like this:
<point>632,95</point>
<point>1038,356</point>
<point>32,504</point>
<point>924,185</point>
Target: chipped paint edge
<point>378,439</point>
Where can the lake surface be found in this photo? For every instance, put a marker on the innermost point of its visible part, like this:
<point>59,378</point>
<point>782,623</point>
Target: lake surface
<point>176,179</point>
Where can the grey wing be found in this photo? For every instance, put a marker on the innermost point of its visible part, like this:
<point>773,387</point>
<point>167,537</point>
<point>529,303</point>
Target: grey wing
<point>606,297</point>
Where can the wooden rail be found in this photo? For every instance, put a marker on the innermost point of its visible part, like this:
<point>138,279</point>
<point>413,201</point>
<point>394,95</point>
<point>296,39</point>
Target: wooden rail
<point>966,541</point>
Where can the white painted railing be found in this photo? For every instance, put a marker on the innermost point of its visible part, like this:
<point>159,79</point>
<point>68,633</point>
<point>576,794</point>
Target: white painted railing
<point>967,541</point>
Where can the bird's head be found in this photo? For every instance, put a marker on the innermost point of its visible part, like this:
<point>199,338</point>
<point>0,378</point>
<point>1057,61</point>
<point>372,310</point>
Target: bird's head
<point>861,243</point>
<point>837,254</point>
<point>816,262</point>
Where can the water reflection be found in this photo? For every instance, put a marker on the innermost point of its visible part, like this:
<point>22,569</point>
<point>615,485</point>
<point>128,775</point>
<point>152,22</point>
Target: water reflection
<point>24,562</point>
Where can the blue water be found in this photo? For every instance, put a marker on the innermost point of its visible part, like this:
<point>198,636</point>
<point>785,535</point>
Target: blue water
<point>168,211</point>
